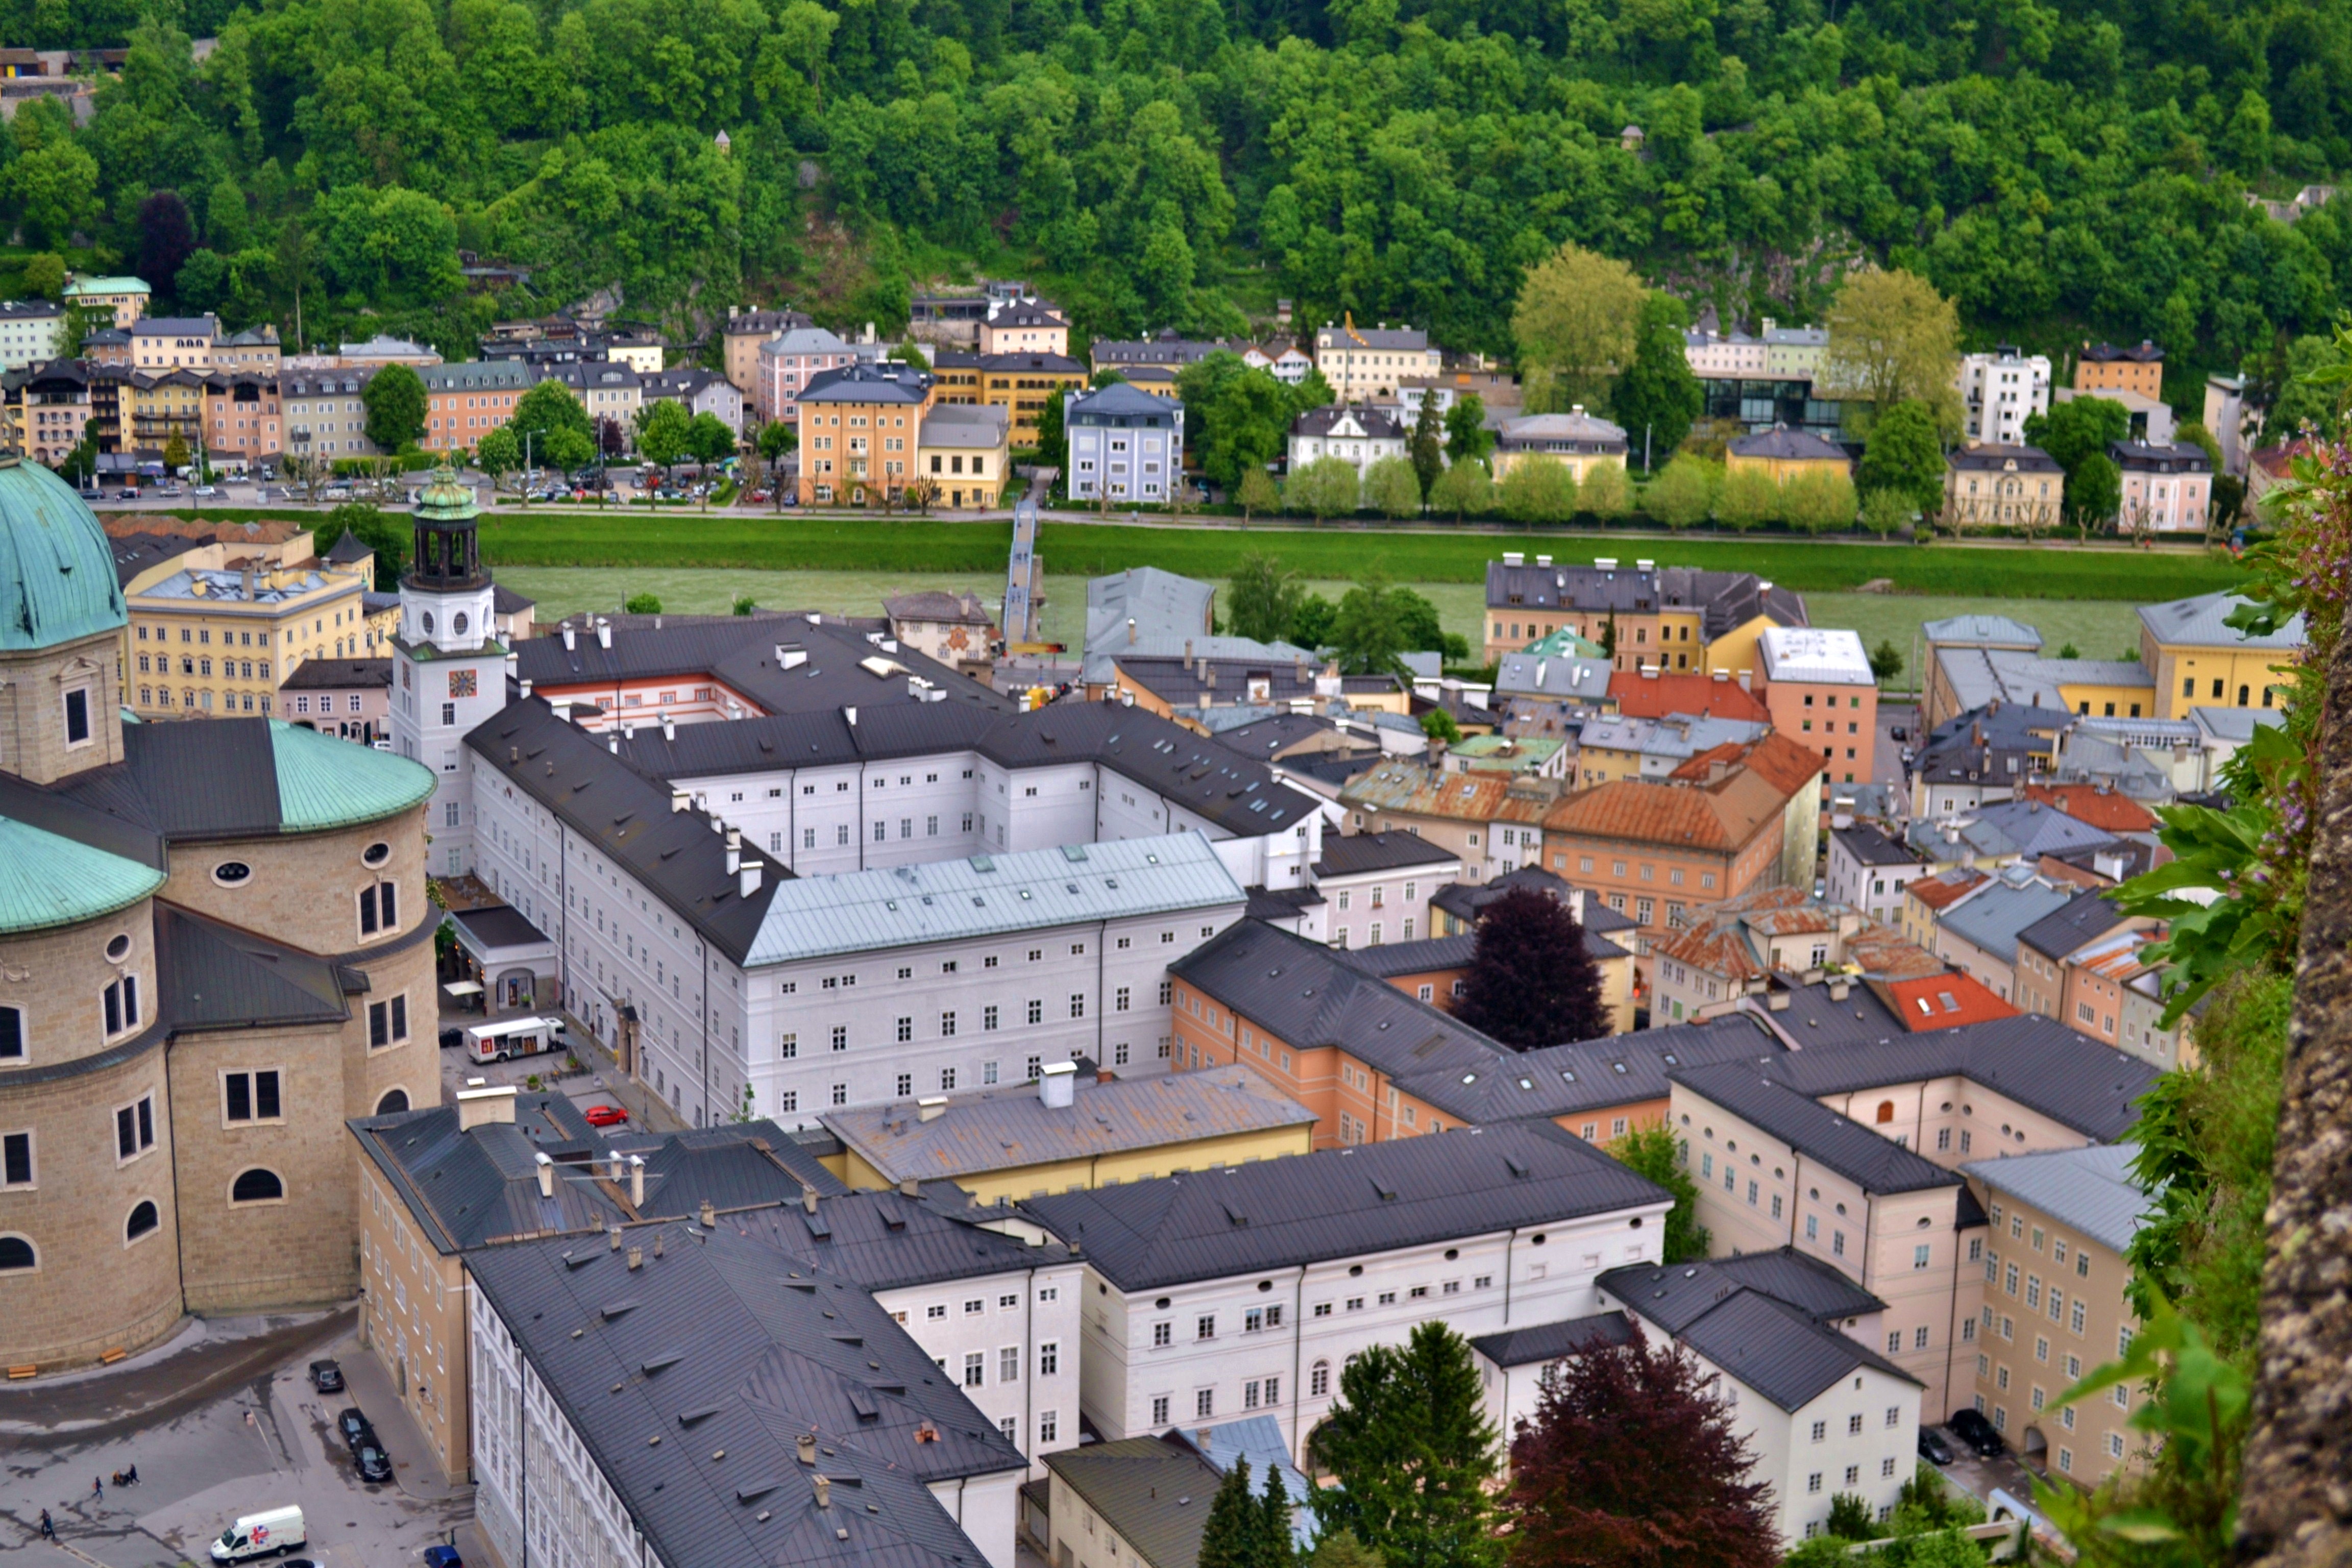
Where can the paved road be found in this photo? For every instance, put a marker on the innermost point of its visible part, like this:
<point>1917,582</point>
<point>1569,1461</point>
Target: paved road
<point>221,1421</point>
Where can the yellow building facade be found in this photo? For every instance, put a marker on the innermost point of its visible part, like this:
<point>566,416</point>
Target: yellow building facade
<point>214,630</point>
<point>2197,660</point>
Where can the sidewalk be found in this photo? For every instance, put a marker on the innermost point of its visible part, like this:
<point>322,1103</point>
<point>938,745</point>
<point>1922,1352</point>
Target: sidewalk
<point>414,1467</point>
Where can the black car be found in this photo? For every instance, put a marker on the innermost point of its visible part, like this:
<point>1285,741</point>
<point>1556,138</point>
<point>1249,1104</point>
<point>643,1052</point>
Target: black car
<point>1932,1448</point>
<point>1972,1427</point>
<point>374,1464</point>
<point>355,1427</point>
<point>327,1376</point>
<point>452,1037</point>
<point>1899,733</point>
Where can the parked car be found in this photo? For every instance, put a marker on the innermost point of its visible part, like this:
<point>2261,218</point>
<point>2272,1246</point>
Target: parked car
<point>126,494</point>
<point>452,1037</point>
<point>327,1376</point>
<point>1932,1448</point>
<point>1899,733</point>
<point>355,1427</point>
<point>373,1463</point>
<point>207,490</point>
<point>605,1115</point>
<point>1970,1427</point>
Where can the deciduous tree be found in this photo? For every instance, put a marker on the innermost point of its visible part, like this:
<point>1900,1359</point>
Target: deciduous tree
<point>1655,1152</point>
<point>1630,1462</point>
<point>1894,339</point>
<point>1370,629</point>
<point>1392,488</point>
<point>1658,397</point>
<point>1256,493</point>
<point>1538,488</point>
<point>1575,324</point>
<point>1325,487</point>
<point>1414,1454</point>
<point>662,433</point>
<point>1684,492</point>
<point>1531,982</point>
<point>1463,489</point>
<point>1467,435</point>
<point>1606,493</point>
<point>1906,455</point>
<point>1748,499</point>
<point>1261,598</point>
<point>396,405</point>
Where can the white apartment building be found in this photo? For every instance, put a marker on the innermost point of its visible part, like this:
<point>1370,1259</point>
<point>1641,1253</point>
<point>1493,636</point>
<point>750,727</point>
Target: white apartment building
<point>1868,871</point>
<point>31,332</point>
<point>2000,391</point>
<point>1360,435</point>
<point>1376,888</point>
<point>1245,1290</point>
<point>1364,363</point>
<point>1786,1343</point>
<point>764,1408</point>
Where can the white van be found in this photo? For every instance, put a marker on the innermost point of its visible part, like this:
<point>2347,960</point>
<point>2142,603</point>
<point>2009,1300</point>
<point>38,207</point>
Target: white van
<point>508,1037</point>
<point>264,1534</point>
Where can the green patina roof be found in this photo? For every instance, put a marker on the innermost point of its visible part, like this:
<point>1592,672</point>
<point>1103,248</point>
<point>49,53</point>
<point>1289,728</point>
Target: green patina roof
<point>1563,643</point>
<point>328,783</point>
<point>56,570</point>
<point>445,500</point>
<point>47,881</point>
<point>108,285</point>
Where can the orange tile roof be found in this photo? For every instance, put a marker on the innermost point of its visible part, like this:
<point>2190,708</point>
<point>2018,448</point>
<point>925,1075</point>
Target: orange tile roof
<point>1942,1001</point>
<point>1683,813</point>
<point>1885,953</point>
<point>1413,789</point>
<point>1638,696</point>
<point>2101,808</point>
<point>2056,870</point>
<point>1941,892</point>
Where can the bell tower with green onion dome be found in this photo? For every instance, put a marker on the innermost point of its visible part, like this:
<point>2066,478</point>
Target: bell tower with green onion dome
<point>61,627</point>
<point>448,670</point>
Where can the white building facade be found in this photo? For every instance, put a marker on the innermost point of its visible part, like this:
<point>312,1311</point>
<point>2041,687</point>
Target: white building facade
<point>2000,391</point>
<point>448,672</point>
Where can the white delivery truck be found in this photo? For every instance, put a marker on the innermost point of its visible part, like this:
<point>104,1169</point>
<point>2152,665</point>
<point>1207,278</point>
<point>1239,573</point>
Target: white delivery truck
<point>514,1037</point>
<point>264,1534</point>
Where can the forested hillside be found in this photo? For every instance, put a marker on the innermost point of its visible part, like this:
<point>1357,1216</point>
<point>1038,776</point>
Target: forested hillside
<point>1181,162</point>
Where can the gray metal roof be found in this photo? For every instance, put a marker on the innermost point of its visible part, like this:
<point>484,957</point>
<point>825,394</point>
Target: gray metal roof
<point>1813,1018</point>
<point>724,1345</point>
<point>1777,1349</point>
<point>988,895</point>
<point>339,675</point>
<point>730,1166</point>
<point>1341,1203</point>
<point>2200,622</point>
<point>1674,1296</point>
<point>1359,853</point>
<point>2038,828</point>
<point>1993,917</point>
<point>1389,959</point>
<point>1991,631</point>
<point>1802,1281</point>
<point>2092,1190</point>
<point>215,976</point>
<point>887,1241</point>
<point>1750,1091</point>
<point>1004,1128</point>
<point>1151,1493</point>
<point>2082,919</point>
<point>466,1189</point>
<point>1867,844</point>
<point>1543,1342</point>
<point>1592,1075</point>
<point>2039,1062</point>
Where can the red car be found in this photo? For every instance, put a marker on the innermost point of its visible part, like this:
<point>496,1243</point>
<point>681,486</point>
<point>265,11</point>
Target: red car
<point>605,1115</point>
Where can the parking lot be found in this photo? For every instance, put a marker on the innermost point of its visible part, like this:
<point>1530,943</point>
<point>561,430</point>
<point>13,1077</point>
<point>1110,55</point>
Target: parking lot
<point>221,1421</point>
<point>602,1084</point>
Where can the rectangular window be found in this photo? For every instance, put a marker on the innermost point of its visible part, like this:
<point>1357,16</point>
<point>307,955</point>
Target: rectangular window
<point>1163,1335</point>
<point>1206,1328</point>
<point>135,1128</point>
<point>251,1096</point>
<point>77,717</point>
<point>122,1004</point>
<point>975,1368</point>
<point>387,1022</point>
<point>1008,1364</point>
<point>17,1160</point>
<point>1049,1358</point>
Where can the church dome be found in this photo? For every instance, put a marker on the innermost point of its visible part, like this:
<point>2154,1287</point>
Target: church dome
<point>57,567</point>
<point>445,498</point>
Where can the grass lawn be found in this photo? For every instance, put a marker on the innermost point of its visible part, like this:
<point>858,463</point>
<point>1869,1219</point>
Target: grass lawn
<point>766,543</point>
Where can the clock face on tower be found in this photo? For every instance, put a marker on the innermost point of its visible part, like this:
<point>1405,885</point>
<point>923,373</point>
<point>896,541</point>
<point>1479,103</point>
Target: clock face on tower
<point>462,683</point>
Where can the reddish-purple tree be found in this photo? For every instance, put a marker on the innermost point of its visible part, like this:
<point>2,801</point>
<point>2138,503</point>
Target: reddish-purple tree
<point>1630,1462</point>
<point>1531,983</point>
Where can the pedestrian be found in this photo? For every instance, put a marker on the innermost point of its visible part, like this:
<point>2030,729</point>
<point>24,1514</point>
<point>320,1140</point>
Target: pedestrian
<point>98,1487</point>
<point>49,1527</point>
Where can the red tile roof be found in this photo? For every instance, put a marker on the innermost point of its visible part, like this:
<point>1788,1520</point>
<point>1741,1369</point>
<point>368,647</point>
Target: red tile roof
<point>1639,696</point>
<point>1941,892</point>
<point>2101,808</point>
<point>1941,1001</point>
<point>1693,810</point>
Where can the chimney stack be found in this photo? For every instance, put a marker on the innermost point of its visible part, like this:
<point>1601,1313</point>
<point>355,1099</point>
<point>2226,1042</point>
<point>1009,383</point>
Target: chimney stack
<point>709,1216</point>
<point>823,1491</point>
<point>930,1108</point>
<point>806,1447</point>
<point>615,1234</point>
<point>569,644</point>
<point>1057,1085</point>
<point>546,1175</point>
<point>670,726</point>
<point>526,689</point>
<point>747,879</point>
<point>636,1258</point>
<point>911,1188</point>
<point>734,850</point>
<point>483,1107</point>
<point>636,1181</point>
<point>808,1200</point>
<point>604,633</point>
<point>680,800</point>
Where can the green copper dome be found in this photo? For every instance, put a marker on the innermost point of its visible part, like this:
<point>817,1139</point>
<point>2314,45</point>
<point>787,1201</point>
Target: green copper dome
<point>445,500</point>
<point>57,569</point>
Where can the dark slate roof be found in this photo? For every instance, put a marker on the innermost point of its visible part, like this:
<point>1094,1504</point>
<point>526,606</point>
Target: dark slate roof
<point>500,925</point>
<point>347,550</point>
<point>627,816</point>
<point>134,553</point>
<point>1778,1351</point>
<point>1674,1296</point>
<point>1812,1018</point>
<point>730,1166</point>
<point>338,675</point>
<point>1377,423</point>
<point>1786,444</point>
<point>218,779</point>
<point>505,601</point>
<point>1590,1075</point>
<point>1358,853</point>
<point>1994,456</point>
<point>1280,903</point>
<point>726,1344</point>
<point>1339,1203</point>
<point>889,383</point>
<point>887,1241</point>
<point>1550,1341</point>
<point>1390,959</point>
<point>1870,848</point>
<point>68,818</point>
<point>1119,404</point>
<point>2039,1062</point>
<point>1877,1164</point>
<point>2082,919</point>
<point>1266,737</point>
<point>741,652</point>
<point>213,976</point>
<point>467,1189</point>
<point>1151,1493</point>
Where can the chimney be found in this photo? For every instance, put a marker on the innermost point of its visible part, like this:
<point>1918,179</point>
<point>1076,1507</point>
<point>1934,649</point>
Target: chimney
<point>603,632</point>
<point>1746,680</point>
<point>1646,565</point>
<point>1057,1085</point>
<point>615,1235</point>
<point>569,644</point>
<point>680,800</point>
<point>709,1216</point>
<point>734,850</point>
<point>930,1108</point>
<point>1839,988</point>
<point>1514,558</point>
<point>1776,1001</point>
<point>911,1188</point>
<point>612,741</point>
<point>546,1175</point>
<point>807,1447</point>
<point>1606,562</point>
<point>850,714</point>
<point>1543,560</point>
<point>485,1107</point>
<point>1130,631</point>
<point>747,879</point>
<point>514,756</point>
<point>808,1200</point>
<point>791,656</point>
<point>636,1181</point>
<point>670,726</point>
<point>620,1166</point>
<point>823,1491</point>
<point>637,1257</point>
<point>526,689</point>
<point>562,712</point>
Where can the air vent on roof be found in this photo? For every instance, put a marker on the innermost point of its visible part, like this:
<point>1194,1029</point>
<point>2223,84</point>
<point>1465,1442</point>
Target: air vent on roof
<point>1517,1167</point>
<point>653,1364</point>
<point>862,1402</point>
<point>688,1417</point>
<point>1385,1193</point>
<point>612,1310</point>
<point>753,1491</point>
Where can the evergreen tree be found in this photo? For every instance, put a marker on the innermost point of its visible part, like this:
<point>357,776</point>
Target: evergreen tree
<point>1414,1454</point>
<point>1630,1462</point>
<point>1531,983</point>
<point>1232,1536</point>
<point>1274,1550</point>
<point>1658,397</point>
<point>1467,435</point>
<point>1427,447</point>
